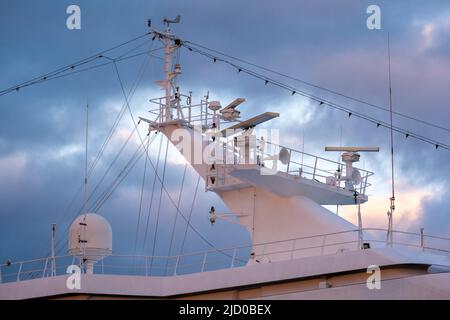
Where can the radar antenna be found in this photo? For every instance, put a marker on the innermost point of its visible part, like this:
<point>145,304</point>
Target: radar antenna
<point>353,177</point>
<point>168,22</point>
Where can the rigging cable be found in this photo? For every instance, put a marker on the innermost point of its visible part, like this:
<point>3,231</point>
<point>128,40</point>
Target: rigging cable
<point>322,88</point>
<point>56,72</point>
<point>71,66</point>
<point>159,207</point>
<point>105,193</point>
<point>111,61</point>
<point>350,112</point>
<point>152,195</point>
<point>107,140</point>
<point>122,110</point>
<point>172,233</point>
<point>190,214</point>
<point>139,153</point>
<point>108,169</point>
<point>159,178</point>
<point>140,200</point>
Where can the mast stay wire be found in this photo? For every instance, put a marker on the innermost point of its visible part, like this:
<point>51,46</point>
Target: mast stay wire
<point>91,196</point>
<point>54,74</point>
<point>58,73</point>
<point>156,173</point>
<point>122,175</point>
<point>110,134</point>
<point>105,143</point>
<point>177,61</point>
<point>209,243</point>
<point>146,52</point>
<point>190,214</point>
<point>152,196</point>
<point>172,232</point>
<point>99,204</point>
<point>101,198</point>
<point>322,88</point>
<point>159,206</point>
<point>140,200</point>
<point>131,93</point>
<point>71,66</point>
<point>112,164</point>
<point>119,116</point>
<point>321,101</point>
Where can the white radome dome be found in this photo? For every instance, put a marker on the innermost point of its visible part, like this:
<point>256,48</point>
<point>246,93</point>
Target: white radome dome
<point>90,236</point>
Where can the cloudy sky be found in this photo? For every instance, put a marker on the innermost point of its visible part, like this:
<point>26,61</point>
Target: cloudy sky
<point>322,42</point>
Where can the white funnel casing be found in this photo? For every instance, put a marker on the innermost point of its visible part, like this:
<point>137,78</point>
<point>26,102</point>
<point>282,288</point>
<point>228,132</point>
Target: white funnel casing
<point>90,239</point>
<point>271,218</point>
<point>268,215</point>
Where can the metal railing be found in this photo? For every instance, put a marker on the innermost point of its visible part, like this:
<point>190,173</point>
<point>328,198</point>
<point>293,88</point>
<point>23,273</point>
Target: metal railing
<point>193,114</point>
<point>209,260</point>
<point>306,165</point>
<point>300,164</point>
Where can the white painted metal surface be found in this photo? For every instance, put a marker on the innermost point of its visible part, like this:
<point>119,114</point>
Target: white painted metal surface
<point>294,239</point>
<point>90,239</point>
<point>285,185</point>
<point>408,286</point>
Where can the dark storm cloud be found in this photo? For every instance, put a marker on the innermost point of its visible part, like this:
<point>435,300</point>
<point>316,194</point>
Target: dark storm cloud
<point>324,42</point>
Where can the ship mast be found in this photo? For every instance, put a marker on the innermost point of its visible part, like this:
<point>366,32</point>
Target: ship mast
<point>167,73</point>
<point>167,83</point>
<point>259,195</point>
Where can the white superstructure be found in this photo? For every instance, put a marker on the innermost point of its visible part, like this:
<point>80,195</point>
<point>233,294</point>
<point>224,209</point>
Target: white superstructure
<point>298,248</point>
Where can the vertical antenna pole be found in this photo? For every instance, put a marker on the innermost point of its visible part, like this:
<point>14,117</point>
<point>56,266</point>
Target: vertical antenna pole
<point>167,72</point>
<point>303,149</point>
<point>360,235</point>
<point>339,164</point>
<point>85,193</point>
<point>53,266</point>
<point>392,199</point>
<point>86,161</point>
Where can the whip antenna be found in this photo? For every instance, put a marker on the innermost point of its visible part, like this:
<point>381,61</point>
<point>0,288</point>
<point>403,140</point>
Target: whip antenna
<point>392,199</point>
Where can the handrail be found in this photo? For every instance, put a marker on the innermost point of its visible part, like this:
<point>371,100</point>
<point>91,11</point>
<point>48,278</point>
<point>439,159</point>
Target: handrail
<point>206,258</point>
<point>240,247</point>
<point>198,113</point>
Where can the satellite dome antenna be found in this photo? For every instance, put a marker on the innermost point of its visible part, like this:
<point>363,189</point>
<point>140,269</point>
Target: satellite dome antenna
<point>94,243</point>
